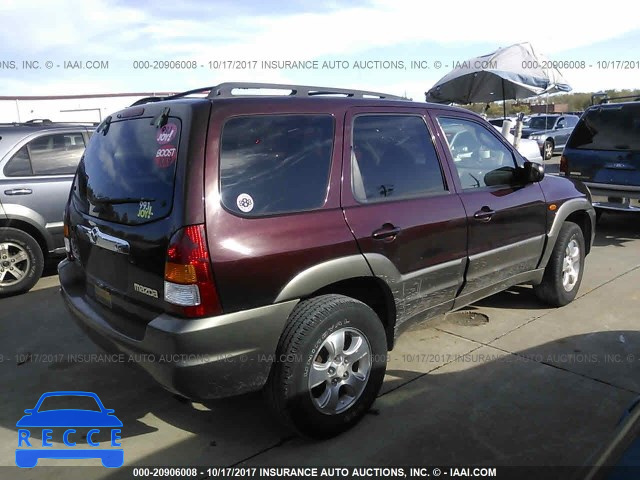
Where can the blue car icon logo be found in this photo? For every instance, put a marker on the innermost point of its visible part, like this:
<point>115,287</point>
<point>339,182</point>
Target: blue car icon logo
<point>97,418</point>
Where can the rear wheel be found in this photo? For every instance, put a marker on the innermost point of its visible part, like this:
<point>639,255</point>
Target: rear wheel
<point>330,365</point>
<point>563,274</point>
<point>547,149</point>
<point>21,261</point>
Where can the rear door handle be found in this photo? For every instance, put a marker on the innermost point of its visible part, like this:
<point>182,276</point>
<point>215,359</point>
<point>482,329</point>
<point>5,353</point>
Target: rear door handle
<point>18,191</point>
<point>484,214</point>
<point>387,231</point>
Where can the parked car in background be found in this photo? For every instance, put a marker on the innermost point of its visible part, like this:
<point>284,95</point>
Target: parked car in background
<point>604,152</point>
<point>550,131</point>
<point>38,160</point>
<point>229,230</point>
<point>527,148</point>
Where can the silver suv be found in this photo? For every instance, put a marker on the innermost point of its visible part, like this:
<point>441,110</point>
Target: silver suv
<point>551,132</point>
<point>38,160</point>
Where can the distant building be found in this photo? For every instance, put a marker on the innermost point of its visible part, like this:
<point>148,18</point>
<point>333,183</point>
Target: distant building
<point>67,108</point>
<point>550,108</point>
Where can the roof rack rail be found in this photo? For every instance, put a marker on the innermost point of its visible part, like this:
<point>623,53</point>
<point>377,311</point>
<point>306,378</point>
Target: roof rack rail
<point>37,120</point>
<point>226,90</point>
<point>605,98</point>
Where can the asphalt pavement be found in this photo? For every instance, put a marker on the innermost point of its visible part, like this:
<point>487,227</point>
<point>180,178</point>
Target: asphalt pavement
<point>530,386</point>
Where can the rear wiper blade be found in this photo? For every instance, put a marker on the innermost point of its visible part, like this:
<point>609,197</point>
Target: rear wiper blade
<point>122,200</point>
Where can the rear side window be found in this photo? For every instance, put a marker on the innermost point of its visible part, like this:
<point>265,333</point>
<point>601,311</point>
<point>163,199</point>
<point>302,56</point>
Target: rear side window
<point>615,127</point>
<point>19,165</point>
<point>127,175</point>
<point>393,157</point>
<point>271,164</point>
<point>56,154</point>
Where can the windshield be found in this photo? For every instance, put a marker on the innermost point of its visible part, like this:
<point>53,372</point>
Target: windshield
<point>127,175</point>
<point>542,123</point>
<point>69,402</point>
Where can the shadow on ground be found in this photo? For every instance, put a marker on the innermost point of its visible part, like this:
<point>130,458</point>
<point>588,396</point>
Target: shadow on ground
<point>487,408</point>
<point>617,228</point>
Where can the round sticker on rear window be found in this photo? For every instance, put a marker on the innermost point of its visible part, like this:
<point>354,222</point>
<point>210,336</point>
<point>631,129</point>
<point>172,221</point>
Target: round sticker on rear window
<point>166,133</point>
<point>244,202</point>
<point>166,156</point>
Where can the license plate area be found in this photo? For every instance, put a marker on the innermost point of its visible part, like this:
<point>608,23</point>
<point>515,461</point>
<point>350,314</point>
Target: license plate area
<point>102,295</point>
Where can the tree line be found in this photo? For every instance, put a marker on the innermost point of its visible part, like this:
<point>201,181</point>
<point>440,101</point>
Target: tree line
<point>577,102</point>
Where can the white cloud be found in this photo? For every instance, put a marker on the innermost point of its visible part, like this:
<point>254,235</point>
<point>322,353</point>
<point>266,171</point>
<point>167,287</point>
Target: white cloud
<point>91,25</point>
<point>121,33</point>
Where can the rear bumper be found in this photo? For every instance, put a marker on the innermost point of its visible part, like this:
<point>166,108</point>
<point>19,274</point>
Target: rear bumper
<point>615,197</point>
<point>197,358</point>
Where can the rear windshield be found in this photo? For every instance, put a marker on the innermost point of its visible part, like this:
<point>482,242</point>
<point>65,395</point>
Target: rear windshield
<point>615,127</point>
<point>272,164</point>
<point>127,175</point>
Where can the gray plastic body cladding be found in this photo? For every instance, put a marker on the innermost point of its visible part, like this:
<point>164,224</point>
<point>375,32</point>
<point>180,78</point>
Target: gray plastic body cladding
<point>566,209</point>
<point>200,358</point>
<point>428,291</point>
<point>491,267</point>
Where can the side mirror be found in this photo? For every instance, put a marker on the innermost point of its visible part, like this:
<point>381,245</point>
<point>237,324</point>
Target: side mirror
<point>532,172</point>
<point>500,176</point>
<point>29,411</point>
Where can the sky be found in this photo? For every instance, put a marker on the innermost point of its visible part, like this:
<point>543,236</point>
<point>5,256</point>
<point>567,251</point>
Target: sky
<point>229,40</point>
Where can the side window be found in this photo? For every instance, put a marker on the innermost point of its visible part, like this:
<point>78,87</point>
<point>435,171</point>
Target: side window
<point>19,165</point>
<point>393,157</point>
<point>572,121</point>
<point>56,154</point>
<point>480,158</point>
<point>273,164</point>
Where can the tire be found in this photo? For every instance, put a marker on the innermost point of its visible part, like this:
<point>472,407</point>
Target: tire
<point>314,328</point>
<point>547,149</point>
<point>21,261</point>
<point>558,287</point>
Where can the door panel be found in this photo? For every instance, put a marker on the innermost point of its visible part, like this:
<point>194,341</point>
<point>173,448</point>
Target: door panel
<point>37,178</point>
<point>397,201</point>
<point>506,217</point>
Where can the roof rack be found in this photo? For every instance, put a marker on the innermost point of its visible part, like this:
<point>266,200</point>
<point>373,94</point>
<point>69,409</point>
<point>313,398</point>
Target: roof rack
<point>606,98</point>
<point>230,90</point>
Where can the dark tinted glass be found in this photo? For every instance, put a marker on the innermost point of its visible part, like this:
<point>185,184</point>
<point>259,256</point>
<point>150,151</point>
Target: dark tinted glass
<point>481,160</point>
<point>19,165</point>
<point>275,163</point>
<point>615,127</point>
<point>57,154</point>
<point>127,175</point>
<point>393,157</point>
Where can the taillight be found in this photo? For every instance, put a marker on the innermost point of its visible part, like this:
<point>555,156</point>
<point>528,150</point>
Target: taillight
<point>67,236</point>
<point>188,278</point>
<point>564,165</point>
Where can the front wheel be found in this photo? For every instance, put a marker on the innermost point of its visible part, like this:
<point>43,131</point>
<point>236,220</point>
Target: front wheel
<point>330,365</point>
<point>563,274</point>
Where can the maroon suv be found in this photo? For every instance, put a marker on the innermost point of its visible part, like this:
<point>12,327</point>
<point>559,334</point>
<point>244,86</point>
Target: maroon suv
<point>240,242</point>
